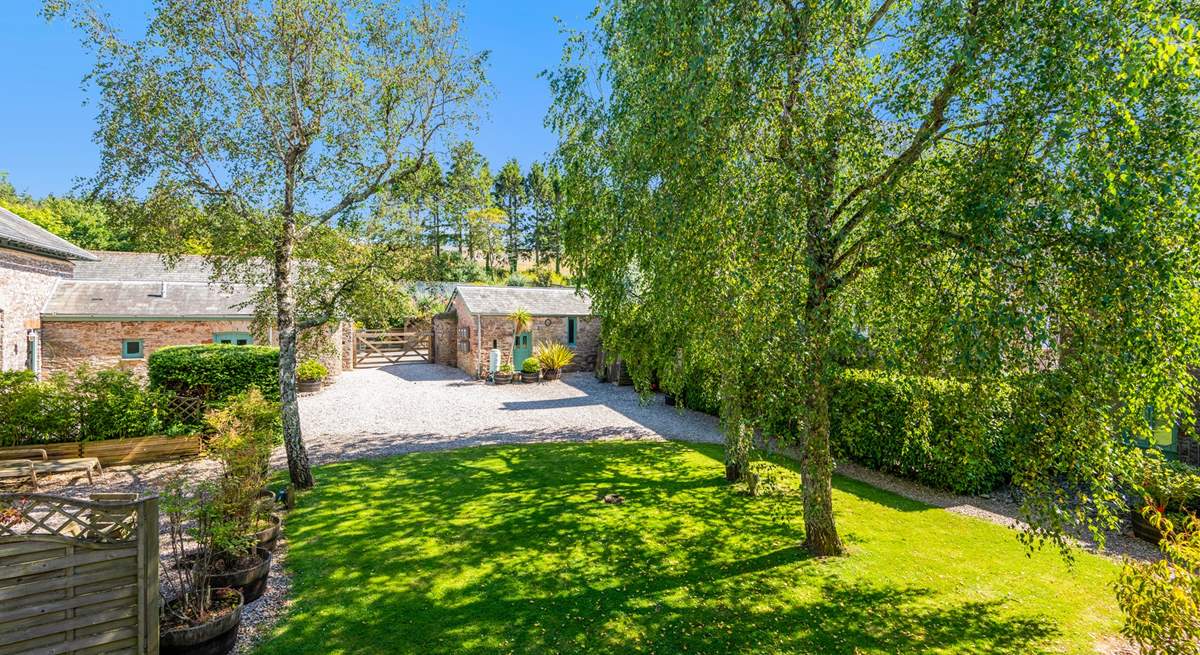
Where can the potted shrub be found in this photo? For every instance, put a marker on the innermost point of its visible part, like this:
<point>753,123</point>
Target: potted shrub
<point>1169,489</point>
<point>245,432</point>
<point>553,358</point>
<point>504,375</point>
<point>196,617</point>
<point>311,374</point>
<point>530,370</point>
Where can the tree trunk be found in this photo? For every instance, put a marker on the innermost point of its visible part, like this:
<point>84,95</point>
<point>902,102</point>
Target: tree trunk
<point>737,441</point>
<point>297,456</point>
<point>437,236</point>
<point>816,467</point>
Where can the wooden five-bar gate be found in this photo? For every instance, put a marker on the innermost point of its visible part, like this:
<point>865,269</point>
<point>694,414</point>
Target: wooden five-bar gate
<point>383,347</point>
<point>78,576</point>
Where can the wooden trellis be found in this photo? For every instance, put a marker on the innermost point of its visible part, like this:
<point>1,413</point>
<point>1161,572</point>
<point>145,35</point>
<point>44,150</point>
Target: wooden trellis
<point>78,576</point>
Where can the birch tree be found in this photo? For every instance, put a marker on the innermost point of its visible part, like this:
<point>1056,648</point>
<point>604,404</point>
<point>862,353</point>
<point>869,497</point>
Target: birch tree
<point>280,120</point>
<point>750,184</point>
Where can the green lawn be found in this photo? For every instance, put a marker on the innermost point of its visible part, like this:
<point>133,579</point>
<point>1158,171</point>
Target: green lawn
<point>507,550</point>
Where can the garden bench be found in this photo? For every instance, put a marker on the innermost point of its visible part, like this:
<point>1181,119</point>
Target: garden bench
<point>19,468</point>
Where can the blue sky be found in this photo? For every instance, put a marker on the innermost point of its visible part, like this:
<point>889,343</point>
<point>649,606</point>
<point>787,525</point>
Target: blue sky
<point>46,129</point>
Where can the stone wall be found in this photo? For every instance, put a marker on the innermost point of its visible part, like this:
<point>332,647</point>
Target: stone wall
<point>347,345</point>
<point>67,345</point>
<point>466,357</point>
<point>26,282</point>
<point>326,344</point>
<point>445,339</point>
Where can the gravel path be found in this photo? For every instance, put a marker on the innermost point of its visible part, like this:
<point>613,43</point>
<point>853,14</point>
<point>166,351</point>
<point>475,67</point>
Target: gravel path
<point>411,407</point>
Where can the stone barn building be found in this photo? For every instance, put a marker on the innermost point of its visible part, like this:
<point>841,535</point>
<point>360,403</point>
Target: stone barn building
<point>120,307</point>
<point>32,262</point>
<point>477,320</point>
<point>62,307</point>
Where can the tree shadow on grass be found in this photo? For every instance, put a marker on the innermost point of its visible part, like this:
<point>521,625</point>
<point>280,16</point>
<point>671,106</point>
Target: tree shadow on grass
<point>509,550</point>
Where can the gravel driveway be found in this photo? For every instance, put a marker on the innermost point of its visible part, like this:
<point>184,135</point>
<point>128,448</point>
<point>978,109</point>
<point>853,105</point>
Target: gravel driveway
<point>408,407</point>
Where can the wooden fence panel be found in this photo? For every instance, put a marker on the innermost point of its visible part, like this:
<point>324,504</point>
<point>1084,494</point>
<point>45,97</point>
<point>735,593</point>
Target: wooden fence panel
<point>78,576</point>
<point>115,452</point>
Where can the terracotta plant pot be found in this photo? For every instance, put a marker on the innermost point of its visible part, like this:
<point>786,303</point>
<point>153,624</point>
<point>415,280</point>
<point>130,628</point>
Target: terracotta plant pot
<point>308,386</point>
<point>268,537</point>
<point>250,578</point>
<point>530,377</point>
<point>552,374</point>
<point>215,637</point>
<point>502,378</point>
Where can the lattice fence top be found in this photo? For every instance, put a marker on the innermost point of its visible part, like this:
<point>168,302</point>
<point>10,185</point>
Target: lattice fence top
<point>106,519</point>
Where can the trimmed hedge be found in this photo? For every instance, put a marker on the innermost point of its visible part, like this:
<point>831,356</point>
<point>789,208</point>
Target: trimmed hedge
<point>942,433</point>
<point>216,372</point>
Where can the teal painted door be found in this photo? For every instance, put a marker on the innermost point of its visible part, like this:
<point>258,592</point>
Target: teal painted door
<point>522,349</point>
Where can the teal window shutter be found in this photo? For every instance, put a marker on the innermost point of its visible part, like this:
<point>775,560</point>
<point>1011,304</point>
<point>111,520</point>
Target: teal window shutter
<point>572,329</point>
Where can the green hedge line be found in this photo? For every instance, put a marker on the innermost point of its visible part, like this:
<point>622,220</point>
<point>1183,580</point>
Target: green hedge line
<point>941,433</point>
<point>88,405</point>
<point>216,372</point>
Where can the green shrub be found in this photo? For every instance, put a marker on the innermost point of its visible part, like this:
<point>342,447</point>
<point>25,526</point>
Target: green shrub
<point>553,356</point>
<point>310,370</point>
<point>1161,598</point>
<point>113,404</point>
<point>516,280</point>
<point>36,412</point>
<point>216,372</point>
<point>88,405</point>
<point>531,365</point>
<point>942,433</point>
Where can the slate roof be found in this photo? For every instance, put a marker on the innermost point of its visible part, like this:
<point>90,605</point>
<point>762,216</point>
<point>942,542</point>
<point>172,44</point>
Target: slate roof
<point>143,266</point>
<point>88,299</point>
<point>19,234</point>
<point>539,301</point>
<point>139,285</point>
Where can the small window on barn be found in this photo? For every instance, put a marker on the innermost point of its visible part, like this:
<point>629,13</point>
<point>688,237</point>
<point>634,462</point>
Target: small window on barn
<point>571,331</point>
<point>132,349</point>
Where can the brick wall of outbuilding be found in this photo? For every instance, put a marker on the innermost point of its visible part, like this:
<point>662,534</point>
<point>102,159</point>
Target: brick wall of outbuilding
<point>26,282</point>
<point>67,345</point>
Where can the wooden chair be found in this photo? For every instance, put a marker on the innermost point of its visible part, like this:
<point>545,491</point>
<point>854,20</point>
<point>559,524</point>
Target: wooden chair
<point>39,464</point>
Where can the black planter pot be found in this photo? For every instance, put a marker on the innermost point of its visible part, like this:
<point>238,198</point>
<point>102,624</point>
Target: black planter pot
<point>268,537</point>
<point>529,377</point>
<point>552,374</point>
<point>502,378</point>
<point>251,581</point>
<point>308,386</point>
<point>217,637</point>
<point>1142,528</point>
<point>670,400</point>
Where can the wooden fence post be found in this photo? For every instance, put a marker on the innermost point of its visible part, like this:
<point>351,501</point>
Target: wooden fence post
<point>148,593</point>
